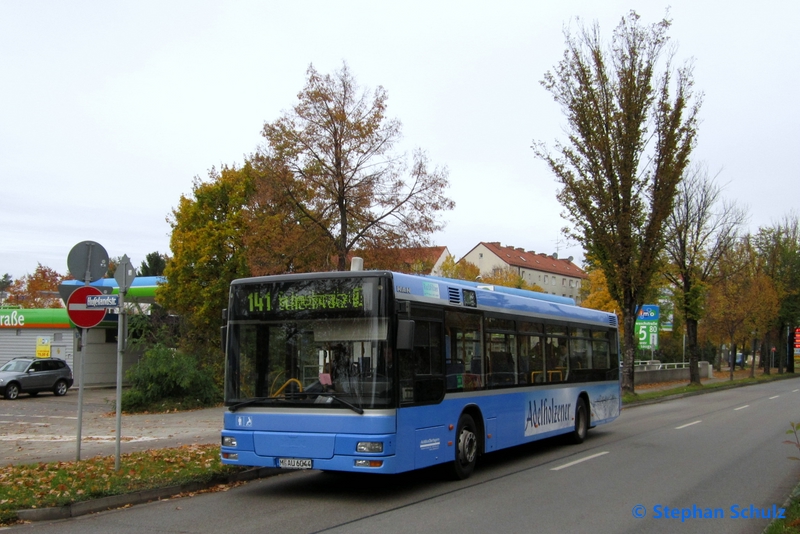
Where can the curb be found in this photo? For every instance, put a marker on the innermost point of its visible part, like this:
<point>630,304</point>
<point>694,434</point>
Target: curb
<point>794,495</point>
<point>140,497</point>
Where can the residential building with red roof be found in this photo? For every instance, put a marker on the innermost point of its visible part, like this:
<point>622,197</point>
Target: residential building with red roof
<point>554,275</point>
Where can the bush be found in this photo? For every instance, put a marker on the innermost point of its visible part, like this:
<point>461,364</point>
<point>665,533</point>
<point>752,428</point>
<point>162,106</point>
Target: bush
<point>166,378</point>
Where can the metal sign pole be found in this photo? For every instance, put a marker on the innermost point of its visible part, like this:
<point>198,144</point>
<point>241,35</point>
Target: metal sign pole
<point>121,335</point>
<point>84,342</point>
<point>87,278</point>
<point>91,259</point>
<point>124,276</point>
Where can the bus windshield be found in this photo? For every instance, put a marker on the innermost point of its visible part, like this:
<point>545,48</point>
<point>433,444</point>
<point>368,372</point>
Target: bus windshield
<point>318,342</point>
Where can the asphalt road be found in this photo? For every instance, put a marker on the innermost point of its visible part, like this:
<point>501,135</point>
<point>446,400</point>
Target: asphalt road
<point>720,453</point>
<point>44,428</point>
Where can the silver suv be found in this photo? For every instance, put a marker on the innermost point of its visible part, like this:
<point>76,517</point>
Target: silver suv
<point>32,375</point>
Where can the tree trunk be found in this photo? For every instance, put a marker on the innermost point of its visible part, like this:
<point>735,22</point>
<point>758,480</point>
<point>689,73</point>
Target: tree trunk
<point>691,341</point>
<point>628,353</point>
<point>733,359</point>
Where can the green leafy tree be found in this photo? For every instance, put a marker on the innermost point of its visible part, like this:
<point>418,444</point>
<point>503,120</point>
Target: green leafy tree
<point>629,141</point>
<point>153,265</point>
<point>206,242</point>
<point>699,232</point>
<point>5,282</point>
<point>332,156</point>
<point>167,376</point>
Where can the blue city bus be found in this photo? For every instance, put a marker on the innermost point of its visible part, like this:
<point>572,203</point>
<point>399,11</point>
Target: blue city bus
<point>382,372</point>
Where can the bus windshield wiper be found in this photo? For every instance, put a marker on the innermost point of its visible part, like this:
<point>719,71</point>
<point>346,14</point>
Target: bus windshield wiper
<point>350,405</point>
<point>248,402</point>
<point>288,396</point>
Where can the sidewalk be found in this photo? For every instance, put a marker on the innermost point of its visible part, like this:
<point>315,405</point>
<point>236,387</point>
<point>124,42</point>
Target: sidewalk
<point>44,429</point>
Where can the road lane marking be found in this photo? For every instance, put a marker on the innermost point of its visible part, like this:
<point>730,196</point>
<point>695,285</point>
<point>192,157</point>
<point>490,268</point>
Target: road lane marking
<point>560,467</point>
<point>775,397</point>
<point>795,390</point>
<point>741,407</point>
<point>688,424</point>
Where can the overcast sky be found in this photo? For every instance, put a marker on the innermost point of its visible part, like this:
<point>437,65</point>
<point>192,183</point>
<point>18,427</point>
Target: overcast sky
<point>108,110</point>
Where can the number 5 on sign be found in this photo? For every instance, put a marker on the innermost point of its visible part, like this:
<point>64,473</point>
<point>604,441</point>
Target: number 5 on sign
<point>647,335</point>
<point>642,333</point>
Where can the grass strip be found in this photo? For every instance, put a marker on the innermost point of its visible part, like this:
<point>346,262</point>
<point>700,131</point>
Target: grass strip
<point>645,395</point>
<point>789,525</point>
<point>56,484</point>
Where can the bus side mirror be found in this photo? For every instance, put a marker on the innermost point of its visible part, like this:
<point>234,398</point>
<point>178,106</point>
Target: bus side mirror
<point>405,334</point>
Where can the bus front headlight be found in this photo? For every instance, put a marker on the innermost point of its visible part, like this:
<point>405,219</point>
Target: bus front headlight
<point>369,446</point>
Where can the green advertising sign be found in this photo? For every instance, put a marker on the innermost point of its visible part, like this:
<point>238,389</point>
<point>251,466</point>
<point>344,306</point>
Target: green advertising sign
<point>647,335</point>
<point>647,327</point>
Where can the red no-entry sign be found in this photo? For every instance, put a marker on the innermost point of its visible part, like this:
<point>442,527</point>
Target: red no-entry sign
<point>78,312</point>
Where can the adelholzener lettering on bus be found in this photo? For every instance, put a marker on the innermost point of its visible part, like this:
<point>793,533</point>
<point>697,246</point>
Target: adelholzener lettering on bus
<point>547,414</point>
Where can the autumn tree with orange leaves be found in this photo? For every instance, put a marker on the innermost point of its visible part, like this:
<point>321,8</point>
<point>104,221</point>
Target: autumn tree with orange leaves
<point>595,294</point>
<point>462,270</point>
<point>333,158</point>
<point>508,277</point>
<point>37,290</point>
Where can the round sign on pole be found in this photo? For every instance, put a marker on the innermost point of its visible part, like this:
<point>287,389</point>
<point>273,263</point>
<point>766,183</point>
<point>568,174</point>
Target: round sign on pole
<point>88,261</point>
<point>79,313</point>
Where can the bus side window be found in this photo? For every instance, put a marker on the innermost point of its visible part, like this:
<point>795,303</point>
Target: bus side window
<point>531,360</point>
<point>463,365</point>
<point>421,372</point>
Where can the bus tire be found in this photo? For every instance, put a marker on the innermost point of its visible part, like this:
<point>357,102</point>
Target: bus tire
<point>581,422</point>
<point>466,452</point>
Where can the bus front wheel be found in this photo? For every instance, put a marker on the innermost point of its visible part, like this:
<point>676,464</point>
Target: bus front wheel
<point>466,447</point>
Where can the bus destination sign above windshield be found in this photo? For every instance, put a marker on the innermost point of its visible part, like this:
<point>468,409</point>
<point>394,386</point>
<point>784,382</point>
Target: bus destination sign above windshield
<point>292,301</point>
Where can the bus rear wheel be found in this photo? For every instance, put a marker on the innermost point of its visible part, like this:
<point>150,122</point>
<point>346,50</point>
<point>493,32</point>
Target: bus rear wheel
<point>466,447</point>
<point>581,422</point>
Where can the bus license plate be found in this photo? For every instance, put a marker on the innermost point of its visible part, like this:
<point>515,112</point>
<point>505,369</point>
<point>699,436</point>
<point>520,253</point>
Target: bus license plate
<point>294,463</point>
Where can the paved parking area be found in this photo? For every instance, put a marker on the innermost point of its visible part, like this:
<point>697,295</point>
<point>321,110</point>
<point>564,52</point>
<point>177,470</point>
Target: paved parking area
<point>44,428</point>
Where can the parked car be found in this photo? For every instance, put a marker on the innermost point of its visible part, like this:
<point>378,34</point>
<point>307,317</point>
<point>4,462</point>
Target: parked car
<point>33,375</point>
